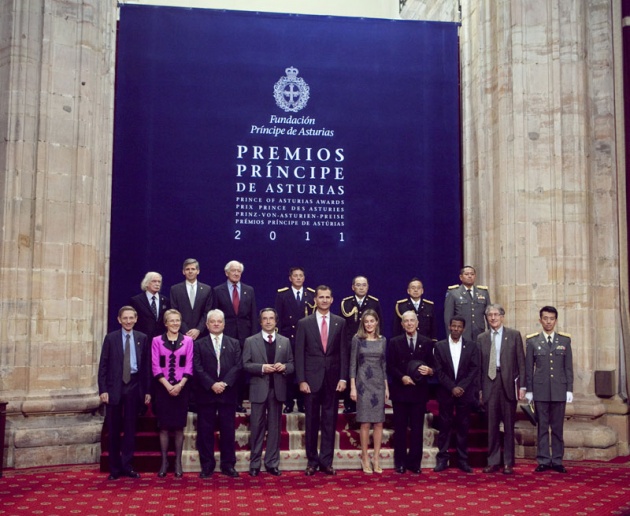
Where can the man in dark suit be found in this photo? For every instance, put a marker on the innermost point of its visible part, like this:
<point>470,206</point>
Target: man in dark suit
<point>193,300</point>
<point>268,359</point>
<point>457,369</point>
<point>422,307</point>
<point>238,302</point>
<point>409,365</point>
<point>321,365</point>
<point>352,309</point>
<point>150,306</point>
<point>292,304</point>
<point>501,369</point>
<point>549,369</point>
<point>123,385</point>
<point>217,366</point>
<point>468,301</point>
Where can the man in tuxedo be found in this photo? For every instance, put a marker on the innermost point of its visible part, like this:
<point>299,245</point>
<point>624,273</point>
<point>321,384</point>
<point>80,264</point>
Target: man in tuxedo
<point>549,370</point>
<point>457,369</point>
<point>238,302</point>
<point>150,306</point>
<point>409,365</point>
<point>352,308</point>
<point>502,367</point>
<point>293,303</point>
<point>423,308</point>
<point>123,385</point>
<point>193,300</point>
<point>268,359</point>
<point>217,366</point>
<point>321,364</point>
<point>468,301</point>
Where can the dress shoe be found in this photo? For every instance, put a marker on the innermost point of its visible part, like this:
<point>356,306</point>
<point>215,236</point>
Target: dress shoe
<point>328,470</point>
<point>465,467</point>
<point>205,474</point>
<point>230,472</point>
<point>241,410</point>
<point>348,410</point>
<point>559,468</point>
<point>491,469</point>
<point>161,474</point>
<point>417,471</point>
<point>253,472</point>
<point>541,467</point>
<point>301,410</point>
<point>287,410</point>
<point>508,470</point>
<point>131,474</point>
<point>273,471</point>
<point>310,471</point>
<point>440,466</point>
<point>163,470</point>
<point>113,476</point>
<point>399,469</point>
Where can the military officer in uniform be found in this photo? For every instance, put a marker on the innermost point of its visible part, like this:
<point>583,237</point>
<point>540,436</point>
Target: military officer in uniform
<point>293,303</point>
<point>352,308</point>
<point>549,373</point>
<point>423,308</point>
<point>468,301</point>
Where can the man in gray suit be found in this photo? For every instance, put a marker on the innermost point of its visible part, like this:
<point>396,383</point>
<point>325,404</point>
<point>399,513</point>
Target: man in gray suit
<point>321,369</point>
<point>502,365</point>
<point>268,359</point>
<point>549,368</point>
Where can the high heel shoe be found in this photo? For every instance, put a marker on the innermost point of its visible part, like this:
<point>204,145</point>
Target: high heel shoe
<point>179,472</point>
<point>377,468</point>
<point>163,470</point>
<point>367,468</point>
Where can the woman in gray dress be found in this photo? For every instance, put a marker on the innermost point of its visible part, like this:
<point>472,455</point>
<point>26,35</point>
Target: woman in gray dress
<point>368,386</point>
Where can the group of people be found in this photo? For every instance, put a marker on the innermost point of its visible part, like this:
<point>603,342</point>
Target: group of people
<point>195,346</point>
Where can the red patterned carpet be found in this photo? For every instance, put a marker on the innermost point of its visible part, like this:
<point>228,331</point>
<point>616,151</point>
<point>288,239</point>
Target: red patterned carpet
<point>589,488</point>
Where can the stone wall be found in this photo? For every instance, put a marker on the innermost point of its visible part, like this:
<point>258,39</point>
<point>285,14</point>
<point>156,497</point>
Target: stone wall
<point>56,111</point>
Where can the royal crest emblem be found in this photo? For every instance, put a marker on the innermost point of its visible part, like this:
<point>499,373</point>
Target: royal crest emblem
<point>291,92</point>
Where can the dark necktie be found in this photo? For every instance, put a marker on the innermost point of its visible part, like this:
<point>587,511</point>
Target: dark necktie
<point>549,340</point>
<point>235,299</point>
<point>126,376</point>
<point>154,307</point>
<point>297,298</point>
<point>470,293</point>
<point>411,344</point>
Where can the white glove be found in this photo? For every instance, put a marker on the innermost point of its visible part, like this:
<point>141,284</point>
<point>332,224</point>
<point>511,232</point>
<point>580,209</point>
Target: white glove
<point>529,396</point>
<point>569,397</point>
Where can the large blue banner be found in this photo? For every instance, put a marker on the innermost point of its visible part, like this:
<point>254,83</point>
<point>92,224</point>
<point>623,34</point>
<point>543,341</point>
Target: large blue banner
<point>281,140</point>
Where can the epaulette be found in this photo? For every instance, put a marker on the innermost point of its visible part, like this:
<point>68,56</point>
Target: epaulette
<point>482,287</point>
<point>564,334</point>
<point>311,289</point>
<point>532,335</point>
<point>428,301</point>
<point>283,289</point>
<point>372,297</point>
<point>453,286</point>
<point>401,301</point>
<point>346,298</point>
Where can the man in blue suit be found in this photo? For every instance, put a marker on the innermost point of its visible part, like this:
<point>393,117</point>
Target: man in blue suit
<point>321,362</point>
<point>123,385</point>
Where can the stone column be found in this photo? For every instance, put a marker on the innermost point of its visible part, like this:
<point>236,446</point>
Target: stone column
<point>56,115</point>
<point>540,184</point>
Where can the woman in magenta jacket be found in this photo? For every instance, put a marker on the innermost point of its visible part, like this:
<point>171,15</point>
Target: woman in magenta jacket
<point>172,365</point>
